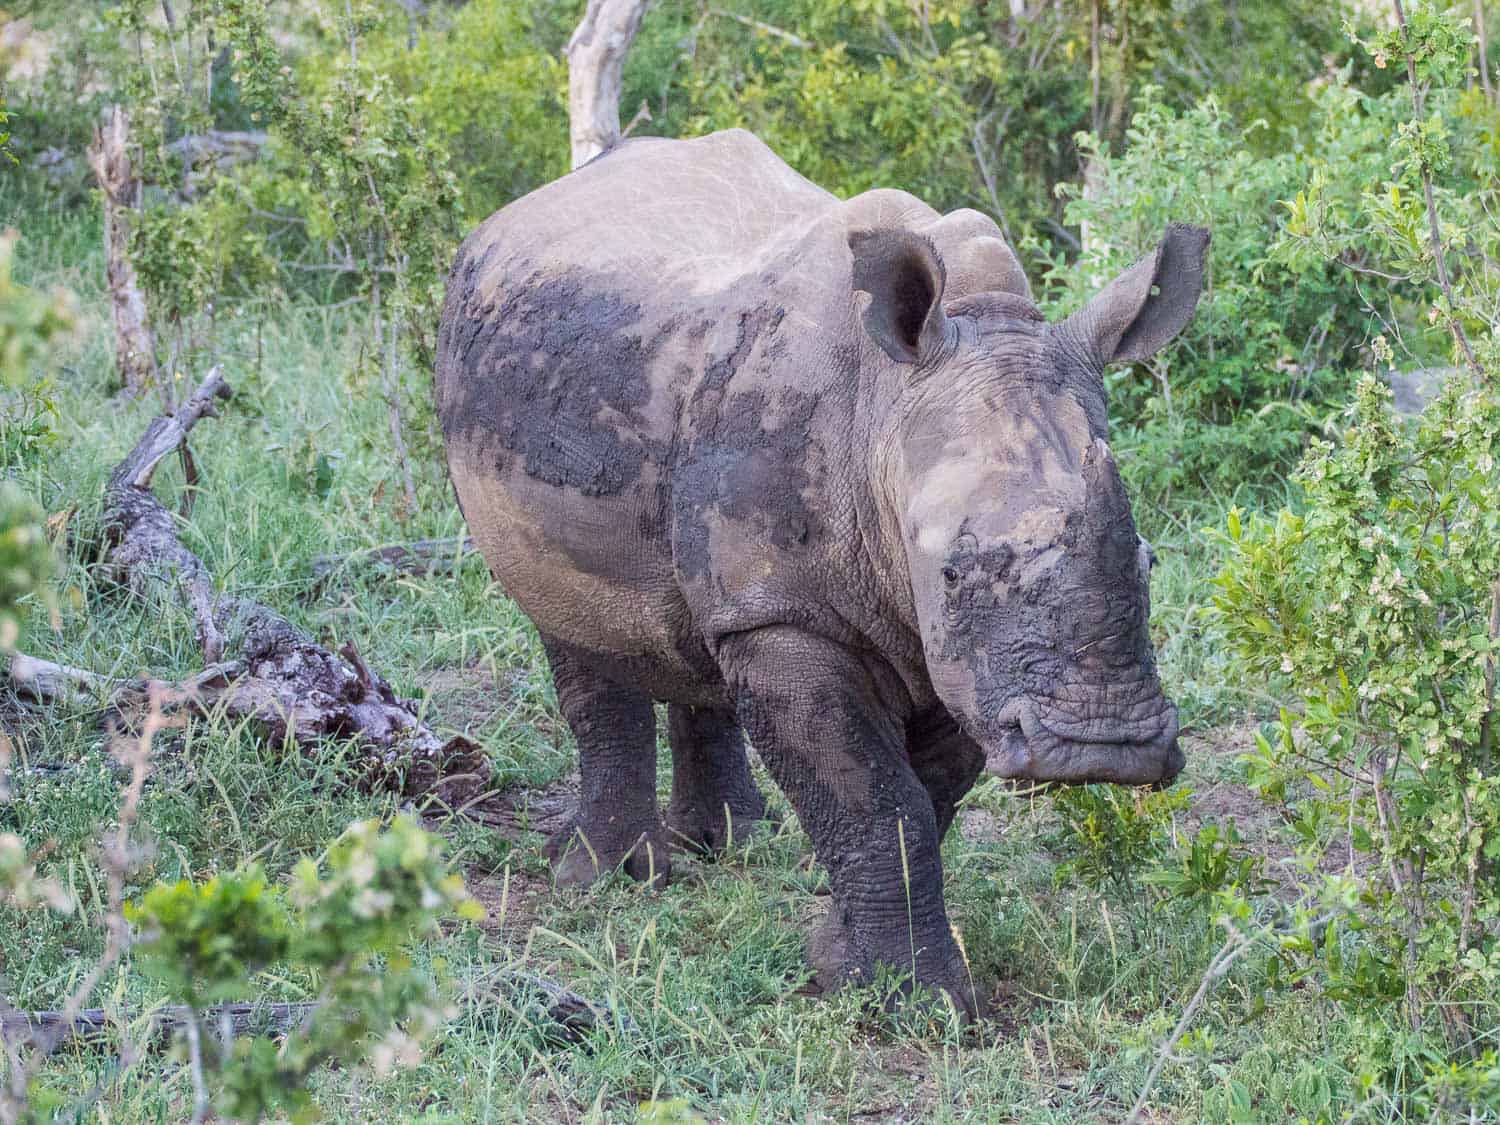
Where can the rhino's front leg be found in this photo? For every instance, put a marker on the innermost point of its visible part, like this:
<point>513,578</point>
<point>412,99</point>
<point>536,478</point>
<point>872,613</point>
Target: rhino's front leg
<point>947,761</point>
<point>839,753</point>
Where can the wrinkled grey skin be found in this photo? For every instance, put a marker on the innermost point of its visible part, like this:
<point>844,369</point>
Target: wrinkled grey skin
<point>817,471</point>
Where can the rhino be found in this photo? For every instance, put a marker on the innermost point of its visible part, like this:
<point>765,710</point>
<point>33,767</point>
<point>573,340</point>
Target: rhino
<point>816,472</point>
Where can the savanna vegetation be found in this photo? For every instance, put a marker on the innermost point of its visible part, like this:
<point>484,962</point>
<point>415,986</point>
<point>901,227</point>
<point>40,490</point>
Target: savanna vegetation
<point>1305,927</point>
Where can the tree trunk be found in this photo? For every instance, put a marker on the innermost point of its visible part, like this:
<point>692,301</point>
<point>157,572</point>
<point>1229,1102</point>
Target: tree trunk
<point>596,58</point>
<point>135,344</point>
<point>1092,177</point>
<point>1484,50</point>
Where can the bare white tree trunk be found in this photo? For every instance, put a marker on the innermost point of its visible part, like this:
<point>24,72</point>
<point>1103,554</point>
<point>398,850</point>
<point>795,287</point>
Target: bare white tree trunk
<point>596,58</point>
<point>1092,176</point>
<point>135,344</point>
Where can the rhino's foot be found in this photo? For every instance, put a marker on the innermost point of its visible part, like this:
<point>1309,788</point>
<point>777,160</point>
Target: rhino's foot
<point>580,857</point>
<point>839,954</point>
<point>694,826</point>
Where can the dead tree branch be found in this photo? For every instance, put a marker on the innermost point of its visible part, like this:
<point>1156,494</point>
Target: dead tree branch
<point>571,1014</point>
<point>46,682</point>
<point>135,343</point>
<point>763,28</point>
<point>261,667</point>
<point>596,57</point>
<point>144,534</point>
<point>93,1024</point>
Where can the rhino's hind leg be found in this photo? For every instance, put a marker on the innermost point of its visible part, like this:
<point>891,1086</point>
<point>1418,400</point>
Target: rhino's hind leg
<point>945,760</point>
<point>617,821</point>
<point>715,800</point>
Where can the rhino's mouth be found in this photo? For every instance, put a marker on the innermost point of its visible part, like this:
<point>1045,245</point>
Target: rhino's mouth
<point>1140,751</point>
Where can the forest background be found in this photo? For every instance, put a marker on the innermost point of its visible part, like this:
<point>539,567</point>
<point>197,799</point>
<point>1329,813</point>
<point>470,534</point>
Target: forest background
<point>203,911</point>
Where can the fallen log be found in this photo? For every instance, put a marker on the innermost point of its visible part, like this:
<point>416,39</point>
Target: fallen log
<point>566,1014</point>
<point>261,667</point>
<point>92,1024</point>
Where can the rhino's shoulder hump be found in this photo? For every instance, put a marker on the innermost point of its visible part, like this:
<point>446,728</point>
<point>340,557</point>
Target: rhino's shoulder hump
<point>885,208</point>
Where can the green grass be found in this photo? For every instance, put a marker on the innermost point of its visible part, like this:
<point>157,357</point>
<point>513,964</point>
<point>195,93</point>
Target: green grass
<point>710,970</point>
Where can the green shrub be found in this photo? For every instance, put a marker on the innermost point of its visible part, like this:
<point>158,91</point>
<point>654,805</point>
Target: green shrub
<point>1231,401</point>
<point>345,930</point>
<point>1109,834</point>
<point>32,326</point>
<point>1374,609</point>
<point>1374,605</point>
<point>488,85</point>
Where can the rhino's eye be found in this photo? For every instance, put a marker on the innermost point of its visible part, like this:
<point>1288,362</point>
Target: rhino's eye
<point>950,578</point>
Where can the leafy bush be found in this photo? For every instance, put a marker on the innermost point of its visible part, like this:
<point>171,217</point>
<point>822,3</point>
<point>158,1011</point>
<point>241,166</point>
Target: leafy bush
<point>488,86</point>
<point>1375,606</point>
<point>345,931</point>
<point>965,104</point>
<point>1109,834</point>
<point>1378,608</point>
<point>1231,401</point>
<point>32,326</point>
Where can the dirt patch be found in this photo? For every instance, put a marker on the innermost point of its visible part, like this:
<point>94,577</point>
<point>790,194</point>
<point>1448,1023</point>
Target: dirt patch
<point>511,900</point>
<point>516,812</point>
<point>978,826</point>
<point>1227,799</point>
<point>1260,824</point>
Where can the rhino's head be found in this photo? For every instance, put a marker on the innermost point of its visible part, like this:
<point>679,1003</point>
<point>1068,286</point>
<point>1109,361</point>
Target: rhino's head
<point>1029,581</point>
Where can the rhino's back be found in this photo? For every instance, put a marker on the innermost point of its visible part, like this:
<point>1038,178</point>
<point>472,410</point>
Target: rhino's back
<point>578,325</point>
<point>679,216</point>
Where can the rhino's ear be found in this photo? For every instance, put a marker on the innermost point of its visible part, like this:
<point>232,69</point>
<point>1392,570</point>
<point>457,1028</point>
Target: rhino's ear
<point>1140,311</point>
<point>904,277</point>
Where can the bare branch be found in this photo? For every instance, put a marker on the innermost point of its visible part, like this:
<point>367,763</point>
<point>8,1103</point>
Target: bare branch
<point>766,28</point>
<point>118,859</point>
<point>1233,948</point>
<point>641,115</point>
